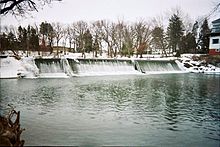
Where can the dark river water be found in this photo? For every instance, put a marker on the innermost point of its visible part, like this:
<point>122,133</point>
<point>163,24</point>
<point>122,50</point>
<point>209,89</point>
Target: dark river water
<point>151,110</point>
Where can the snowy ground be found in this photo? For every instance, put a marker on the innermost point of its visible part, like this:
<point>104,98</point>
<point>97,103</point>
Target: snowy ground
<point>186,63</point>
<point>13,68</point>
<point>10,67</point>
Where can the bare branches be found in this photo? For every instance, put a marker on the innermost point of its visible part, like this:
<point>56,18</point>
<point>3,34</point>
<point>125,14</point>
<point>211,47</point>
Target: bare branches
<point>21,7</point>
<point>17,6</point>
<point>216,9</point>
<point>10,130</point>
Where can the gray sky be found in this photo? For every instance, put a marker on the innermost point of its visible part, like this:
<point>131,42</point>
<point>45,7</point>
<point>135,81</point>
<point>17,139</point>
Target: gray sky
<point>69,11</point>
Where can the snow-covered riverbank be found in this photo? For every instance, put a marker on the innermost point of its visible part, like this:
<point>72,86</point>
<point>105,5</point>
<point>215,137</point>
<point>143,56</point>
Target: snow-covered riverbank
<point>11,67</point>
<point>200,66</point>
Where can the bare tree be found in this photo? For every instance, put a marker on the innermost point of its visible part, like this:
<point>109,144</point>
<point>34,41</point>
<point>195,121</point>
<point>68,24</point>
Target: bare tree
<point>128,42</point>
<point>119,36</point>
<point>108,35</point>
<point>8,29</point>
<point>80,28</point>
<point>64,40</point>
<point>21,7</point>
<point>142,37</point>
<point>58,32</point>
<point>159,40</point>
<point>71,36</point>
<point>158,21</point>
<point>96,30</point>
<point>188,23</point>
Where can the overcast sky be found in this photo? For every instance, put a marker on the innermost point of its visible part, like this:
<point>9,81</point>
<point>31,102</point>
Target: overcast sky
<point>69,11</point>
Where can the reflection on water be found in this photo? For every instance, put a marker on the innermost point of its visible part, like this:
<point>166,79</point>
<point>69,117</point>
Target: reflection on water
<point>152,110</point>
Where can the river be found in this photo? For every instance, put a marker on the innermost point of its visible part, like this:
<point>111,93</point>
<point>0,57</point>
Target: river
<point>138,110</point>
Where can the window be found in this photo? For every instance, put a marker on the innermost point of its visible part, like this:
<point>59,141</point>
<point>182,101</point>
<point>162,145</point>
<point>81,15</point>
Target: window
<point>215,41</point>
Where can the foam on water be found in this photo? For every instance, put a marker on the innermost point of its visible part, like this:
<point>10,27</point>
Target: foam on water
<point>105,67</point>
<point>53,75</point>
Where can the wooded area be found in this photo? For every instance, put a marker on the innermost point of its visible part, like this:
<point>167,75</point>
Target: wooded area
<point>181,35</point>
<point>119,38</point>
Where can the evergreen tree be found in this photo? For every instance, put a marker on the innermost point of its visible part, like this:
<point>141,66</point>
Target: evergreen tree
<point>4,43</point>
<point>195,29</point>
<point>22,37</point>
<point>87,41</point>
<point>204,37</point>
<point>28,37</point>
<point>50,34</point>
<point>158,40</point>
<point>34,39</point>
<point>12,41</point>
<point>43,29</point>
<point>124,50</point>
<point>96,46</point>
<point>195,35</point>
<point>188,43</point>
<point>175,32</point>
<point>47,32</point>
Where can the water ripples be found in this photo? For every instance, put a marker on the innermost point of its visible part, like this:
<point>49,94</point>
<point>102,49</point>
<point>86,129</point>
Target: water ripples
<point>151,107</point>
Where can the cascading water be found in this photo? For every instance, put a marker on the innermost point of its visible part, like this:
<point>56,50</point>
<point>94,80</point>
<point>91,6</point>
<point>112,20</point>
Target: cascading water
<point>67,68</point>
<point>49,68</point>
<point>89,67</point>
<point>73,65</point>
<point>154,66</point>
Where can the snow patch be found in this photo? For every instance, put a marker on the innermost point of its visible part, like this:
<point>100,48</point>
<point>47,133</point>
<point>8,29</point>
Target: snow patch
<point>13,68</point>
<point>10,68</point>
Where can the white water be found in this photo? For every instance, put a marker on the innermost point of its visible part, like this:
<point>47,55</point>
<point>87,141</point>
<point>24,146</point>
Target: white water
<point>53,75</point>
<point>63,68</point>
<point>152,67</point>
<point>67,68</point>
<point>53,67</point>
<point>93,68</point>
<point>49,68</point>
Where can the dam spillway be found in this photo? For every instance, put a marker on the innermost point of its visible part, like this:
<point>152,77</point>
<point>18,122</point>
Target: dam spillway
<point>158,66</point>
<point>88,67</point>
<point>51,68</point>
<point>96,67</point>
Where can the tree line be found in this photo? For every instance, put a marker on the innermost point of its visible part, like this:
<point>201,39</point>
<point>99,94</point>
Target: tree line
<point>117,38</point>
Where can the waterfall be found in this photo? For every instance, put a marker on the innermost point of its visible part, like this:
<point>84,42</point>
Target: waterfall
<point>50,68</point>
<point>89,67</point>
<point>67,67</point>
<point>73,65</point>
<point>156,66</point>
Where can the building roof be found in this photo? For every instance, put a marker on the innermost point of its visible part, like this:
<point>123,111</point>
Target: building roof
<point>216,21</point>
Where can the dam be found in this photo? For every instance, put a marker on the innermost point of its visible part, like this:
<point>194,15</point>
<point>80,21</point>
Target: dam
<point>98,67</point>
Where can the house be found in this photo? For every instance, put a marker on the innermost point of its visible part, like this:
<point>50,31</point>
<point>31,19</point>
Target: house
<point>214,43</point>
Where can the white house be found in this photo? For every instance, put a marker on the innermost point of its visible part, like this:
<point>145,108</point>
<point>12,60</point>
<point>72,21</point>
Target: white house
<point>214,43</point>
